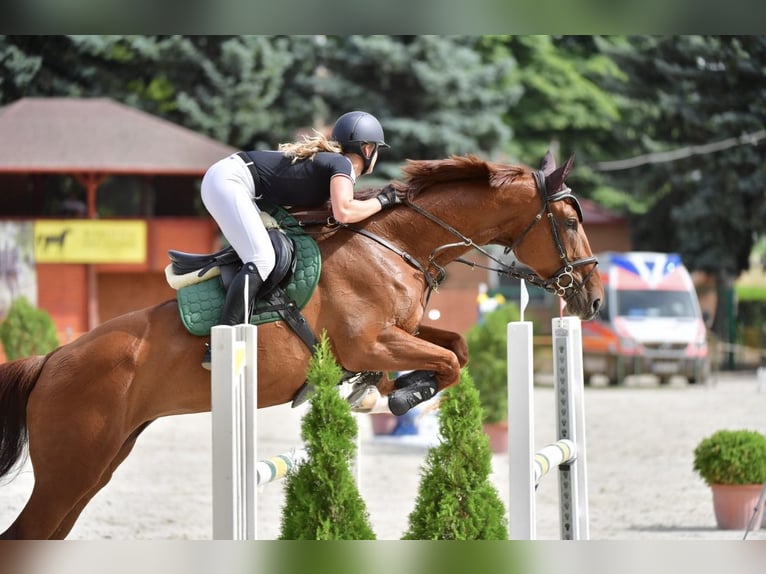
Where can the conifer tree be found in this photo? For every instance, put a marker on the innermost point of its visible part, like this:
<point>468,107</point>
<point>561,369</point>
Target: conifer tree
<point>456,500</point>
<point>322,500</point>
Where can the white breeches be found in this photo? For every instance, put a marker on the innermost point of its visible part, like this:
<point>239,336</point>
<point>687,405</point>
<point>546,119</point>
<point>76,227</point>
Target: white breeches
<point>228,194</point>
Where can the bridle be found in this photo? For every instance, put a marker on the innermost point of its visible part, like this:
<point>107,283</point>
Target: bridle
<point>562,282</point>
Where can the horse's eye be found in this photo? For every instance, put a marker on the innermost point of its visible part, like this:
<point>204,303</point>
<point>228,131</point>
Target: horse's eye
<point>572,223</point>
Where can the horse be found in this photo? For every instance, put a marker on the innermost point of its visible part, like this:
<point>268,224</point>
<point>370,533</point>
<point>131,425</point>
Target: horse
<point>78,410</point>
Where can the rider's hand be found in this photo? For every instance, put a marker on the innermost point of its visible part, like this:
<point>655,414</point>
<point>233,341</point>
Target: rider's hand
<point>389,198</point>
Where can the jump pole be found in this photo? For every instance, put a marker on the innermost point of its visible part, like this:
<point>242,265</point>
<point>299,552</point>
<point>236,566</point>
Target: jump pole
<point>234,400</point>
<point>569,385</point>
<point>527,467</point>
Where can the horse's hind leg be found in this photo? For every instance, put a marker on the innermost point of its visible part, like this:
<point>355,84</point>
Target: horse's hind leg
<point>46,509</point>
<point>69,521</point>
<point>64,484</point>
<point>72,452</point>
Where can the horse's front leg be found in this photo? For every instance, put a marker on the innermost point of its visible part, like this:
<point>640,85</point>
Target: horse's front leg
<point>447,339</point>
<point>432,367</point>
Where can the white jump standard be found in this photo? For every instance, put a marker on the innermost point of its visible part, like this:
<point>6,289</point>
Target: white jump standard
<point>234,400</point>
<point>527,467</point>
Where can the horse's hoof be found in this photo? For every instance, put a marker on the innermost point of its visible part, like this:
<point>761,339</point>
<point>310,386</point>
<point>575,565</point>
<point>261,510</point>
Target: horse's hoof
<point>303,394</point>
<point>363,398</point>
<point>402,400</point>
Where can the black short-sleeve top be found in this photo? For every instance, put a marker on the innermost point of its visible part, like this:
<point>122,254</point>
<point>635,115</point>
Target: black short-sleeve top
<point>304,183</point>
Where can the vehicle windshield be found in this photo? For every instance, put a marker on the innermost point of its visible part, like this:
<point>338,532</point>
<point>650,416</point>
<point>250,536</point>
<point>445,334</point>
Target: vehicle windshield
<point>655,304</point>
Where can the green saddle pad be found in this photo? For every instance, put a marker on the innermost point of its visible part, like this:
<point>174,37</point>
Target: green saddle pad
<point>200,304</point>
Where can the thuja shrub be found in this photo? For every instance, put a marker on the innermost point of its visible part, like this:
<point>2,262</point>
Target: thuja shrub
<point>27,331</point>
<point>322,501</point>
<point>456,500</point>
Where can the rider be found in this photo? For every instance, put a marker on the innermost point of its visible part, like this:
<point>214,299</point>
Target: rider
<point>302,174</point>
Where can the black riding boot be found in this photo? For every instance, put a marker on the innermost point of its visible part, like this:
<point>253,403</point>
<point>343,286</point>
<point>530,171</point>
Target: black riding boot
<point>233,312</point>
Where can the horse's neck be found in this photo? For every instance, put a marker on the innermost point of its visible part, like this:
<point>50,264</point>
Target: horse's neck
<point>456,216</point>
<point>476,213</point>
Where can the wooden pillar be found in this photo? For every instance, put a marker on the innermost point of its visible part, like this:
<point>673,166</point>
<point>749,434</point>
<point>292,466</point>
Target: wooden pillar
<point>90,181</point>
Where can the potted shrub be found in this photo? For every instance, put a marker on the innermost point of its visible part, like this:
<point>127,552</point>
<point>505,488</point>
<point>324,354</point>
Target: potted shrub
<point>733,464</point>
<point>488,367</point>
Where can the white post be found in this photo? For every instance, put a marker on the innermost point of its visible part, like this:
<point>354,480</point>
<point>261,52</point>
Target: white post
<point>234,400</point>
<point>521,432</point>
<point>570,405</point>
<point>760,377</point>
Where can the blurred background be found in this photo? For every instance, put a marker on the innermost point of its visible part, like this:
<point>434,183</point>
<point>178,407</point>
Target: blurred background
<point>667,132</point>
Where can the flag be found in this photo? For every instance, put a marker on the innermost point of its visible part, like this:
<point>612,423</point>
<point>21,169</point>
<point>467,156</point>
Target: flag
<point>524,298</point>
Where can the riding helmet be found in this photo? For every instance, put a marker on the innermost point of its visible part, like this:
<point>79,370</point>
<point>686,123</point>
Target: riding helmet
<point>353,129</point>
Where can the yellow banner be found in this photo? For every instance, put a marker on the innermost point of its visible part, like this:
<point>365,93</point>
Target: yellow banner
<point>90,241</point>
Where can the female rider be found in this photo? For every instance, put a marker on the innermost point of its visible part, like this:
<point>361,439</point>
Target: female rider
<point>301,174</point>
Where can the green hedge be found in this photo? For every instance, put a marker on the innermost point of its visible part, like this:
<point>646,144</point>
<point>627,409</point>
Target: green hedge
<point>27,331</point>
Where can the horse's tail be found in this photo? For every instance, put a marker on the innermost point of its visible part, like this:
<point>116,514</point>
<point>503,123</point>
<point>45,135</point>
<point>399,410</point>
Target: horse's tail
<point>17,379</point>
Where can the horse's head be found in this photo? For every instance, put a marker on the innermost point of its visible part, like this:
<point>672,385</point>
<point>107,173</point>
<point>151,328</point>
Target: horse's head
<point>532,213</point>
<point>554,245</point>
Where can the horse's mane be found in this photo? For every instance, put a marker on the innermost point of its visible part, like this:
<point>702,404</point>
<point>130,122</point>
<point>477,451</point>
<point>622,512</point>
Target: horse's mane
<point>422,174</point>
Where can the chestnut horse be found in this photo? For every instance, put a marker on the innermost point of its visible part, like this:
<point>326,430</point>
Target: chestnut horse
<point>81,408</point>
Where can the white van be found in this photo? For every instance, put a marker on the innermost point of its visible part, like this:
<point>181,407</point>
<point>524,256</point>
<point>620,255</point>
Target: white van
<point>650,322</point>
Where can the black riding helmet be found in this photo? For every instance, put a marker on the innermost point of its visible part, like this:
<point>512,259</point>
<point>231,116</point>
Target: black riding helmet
<point>353,129</point>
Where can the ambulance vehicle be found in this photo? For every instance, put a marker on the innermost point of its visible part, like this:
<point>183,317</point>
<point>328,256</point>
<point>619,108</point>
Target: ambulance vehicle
<point>650,322</point>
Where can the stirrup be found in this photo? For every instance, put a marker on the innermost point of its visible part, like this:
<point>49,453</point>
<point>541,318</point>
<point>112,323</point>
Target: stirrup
<point>207,357</point>
<point>303,394</point>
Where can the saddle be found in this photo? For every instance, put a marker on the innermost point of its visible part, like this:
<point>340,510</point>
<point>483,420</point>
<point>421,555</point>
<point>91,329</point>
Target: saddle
<point>201,280</point>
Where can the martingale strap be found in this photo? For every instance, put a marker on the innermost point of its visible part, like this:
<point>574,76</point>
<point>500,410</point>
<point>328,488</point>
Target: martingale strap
<point>433,281</point>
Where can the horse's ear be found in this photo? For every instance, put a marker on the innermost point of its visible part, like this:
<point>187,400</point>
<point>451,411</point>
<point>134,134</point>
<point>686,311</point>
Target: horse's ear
<point>549,163</point>
<point>555,180</point>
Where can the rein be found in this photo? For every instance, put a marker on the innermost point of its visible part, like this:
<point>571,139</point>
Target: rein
<point>562,282</point>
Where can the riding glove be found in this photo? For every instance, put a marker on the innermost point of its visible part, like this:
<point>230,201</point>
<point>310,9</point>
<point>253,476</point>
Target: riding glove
<point>389,198</point>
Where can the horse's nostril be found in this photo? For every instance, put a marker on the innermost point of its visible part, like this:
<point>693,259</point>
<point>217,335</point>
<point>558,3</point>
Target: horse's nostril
<point>596,306</point>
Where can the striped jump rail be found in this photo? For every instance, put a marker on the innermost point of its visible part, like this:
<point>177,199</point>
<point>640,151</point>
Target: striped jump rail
<point>562,451</point>
<point>277,467</point>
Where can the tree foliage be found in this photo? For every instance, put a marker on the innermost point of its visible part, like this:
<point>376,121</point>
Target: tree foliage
<point>693,90</point>
<point>248,91</point>
<point>563,103</point>
<point>436,95</point>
